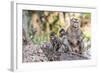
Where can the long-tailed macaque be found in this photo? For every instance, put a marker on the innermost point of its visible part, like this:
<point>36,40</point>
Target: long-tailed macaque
<point>75,36</point>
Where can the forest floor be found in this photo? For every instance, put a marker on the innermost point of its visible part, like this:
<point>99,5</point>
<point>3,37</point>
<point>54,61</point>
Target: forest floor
<point>33,53</point>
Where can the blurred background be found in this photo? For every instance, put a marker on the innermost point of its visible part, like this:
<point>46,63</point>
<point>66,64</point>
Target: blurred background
<point>39,24</point>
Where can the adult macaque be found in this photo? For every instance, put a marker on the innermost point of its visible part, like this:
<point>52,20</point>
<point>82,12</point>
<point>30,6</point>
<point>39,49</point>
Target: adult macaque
<point>75,36</point>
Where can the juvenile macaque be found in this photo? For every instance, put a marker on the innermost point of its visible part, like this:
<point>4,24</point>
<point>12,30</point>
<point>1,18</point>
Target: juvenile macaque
<point>55,41</point>
<point>64,40</point>
<point>75,36</point>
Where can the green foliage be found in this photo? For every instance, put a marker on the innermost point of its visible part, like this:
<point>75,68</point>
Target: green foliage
<point>38,39</point>
<point>50,23</point>
<point>88,14</point>
<point>87,36</point>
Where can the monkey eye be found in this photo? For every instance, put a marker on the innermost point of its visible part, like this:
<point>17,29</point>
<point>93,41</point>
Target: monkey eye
<point>75,21</point>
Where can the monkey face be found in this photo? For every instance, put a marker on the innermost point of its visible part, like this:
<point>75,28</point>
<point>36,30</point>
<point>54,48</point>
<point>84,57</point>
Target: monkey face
<point>52,37</point>
<point>75,23</point>
<point>62,32</point>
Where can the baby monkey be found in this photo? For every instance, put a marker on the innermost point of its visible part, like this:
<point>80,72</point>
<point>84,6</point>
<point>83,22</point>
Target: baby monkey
<point>55,41</point>
<point>64,40</point>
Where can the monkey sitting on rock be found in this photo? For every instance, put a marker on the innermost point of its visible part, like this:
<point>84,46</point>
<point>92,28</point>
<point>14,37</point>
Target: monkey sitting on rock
<point>75,36</point>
